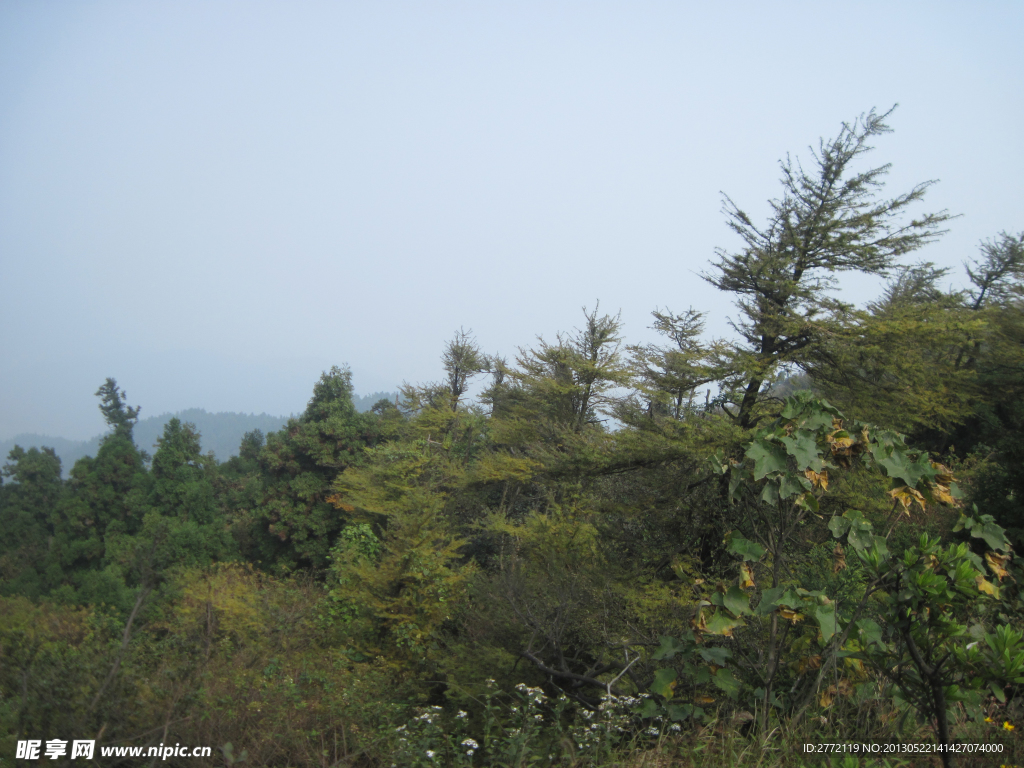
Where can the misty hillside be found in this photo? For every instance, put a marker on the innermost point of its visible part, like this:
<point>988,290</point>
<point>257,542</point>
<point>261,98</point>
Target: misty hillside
<point>220,432</point>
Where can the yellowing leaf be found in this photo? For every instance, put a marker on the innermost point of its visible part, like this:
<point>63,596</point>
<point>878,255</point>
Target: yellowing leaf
<point>818,479</point>
<point>840,558</point>
<point>746,576</point>
<point>791,615</point>
<point>826,697</point>
<point>986,586</point>
<point>940,494</point>
<point>945,476</point>
<point>808,663</point>
<point>906,496</point>
<point>997,563</point>
<point>700,621</point>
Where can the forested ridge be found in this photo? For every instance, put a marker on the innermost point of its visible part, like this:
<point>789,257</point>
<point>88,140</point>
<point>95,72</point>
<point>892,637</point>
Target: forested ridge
<point>697,552</point>
<point>221,432</point>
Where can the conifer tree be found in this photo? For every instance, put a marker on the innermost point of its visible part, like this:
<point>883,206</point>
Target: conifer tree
<point>829,219</point>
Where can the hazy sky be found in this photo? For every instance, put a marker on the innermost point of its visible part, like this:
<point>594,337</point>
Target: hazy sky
<point>215,201</point>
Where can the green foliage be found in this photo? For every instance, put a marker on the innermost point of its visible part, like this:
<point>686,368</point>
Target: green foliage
<point>293,523</point>
<point>396,582</point>
<point>28,504</point>
<point>828,220</point>
<point>118,415</point>
<point>648,576</point>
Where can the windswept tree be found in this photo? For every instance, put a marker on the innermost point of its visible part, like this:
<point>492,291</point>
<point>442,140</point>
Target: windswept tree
<point>997,276</point>
<point>829,219</point>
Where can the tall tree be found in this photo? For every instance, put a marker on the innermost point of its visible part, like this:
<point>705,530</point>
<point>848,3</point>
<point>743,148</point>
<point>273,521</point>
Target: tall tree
<point>115,408</point>
<point>298,465</point>
<point>829,219</point>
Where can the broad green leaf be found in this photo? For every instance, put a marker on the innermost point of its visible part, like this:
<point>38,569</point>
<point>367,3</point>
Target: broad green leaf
<point>791,599</point>
<point>804,448</point>
<point>770,494</point>
<point>726,681</point>
<point>664,683</point>
<point>809,412</point>
<point>748,550</point>
<point>679,712</point>
<point>736,601</point>
<point>767,457</point>
<point>861,538</point>
<point>736,481</point>
<point>793,408</point>
<point>648,708</point>
<point>870,632</point>
<point>669,648</point>
<point>790,485</point>
<point>718,463</point>
<point>859,531</point>
<point>899,465</point>
<point>715,654</point>
<point>826,616</point>
<point>839,526</point>
<point>993,534</point>
<point>769,601</point>
<point>723,624</point>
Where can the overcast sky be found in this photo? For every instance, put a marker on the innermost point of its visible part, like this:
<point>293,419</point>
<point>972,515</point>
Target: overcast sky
<point>214,202</point>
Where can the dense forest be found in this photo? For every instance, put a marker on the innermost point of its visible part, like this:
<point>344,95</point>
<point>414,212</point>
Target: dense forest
<point>221,432</point>
<point>698,552</point>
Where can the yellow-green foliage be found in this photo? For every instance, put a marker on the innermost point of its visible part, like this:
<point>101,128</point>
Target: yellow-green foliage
<point>243,657</point>
<point>393,602</point>
<point>52,658</point>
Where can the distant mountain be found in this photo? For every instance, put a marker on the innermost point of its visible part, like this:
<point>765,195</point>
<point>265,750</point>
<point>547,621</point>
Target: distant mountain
<point>219,432</point>
<point>366,402</point>
<point>69,451</point>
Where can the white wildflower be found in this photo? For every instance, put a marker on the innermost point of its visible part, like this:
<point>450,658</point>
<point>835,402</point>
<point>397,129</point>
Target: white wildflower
<point>470,743</point>
<point>462,714</point>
